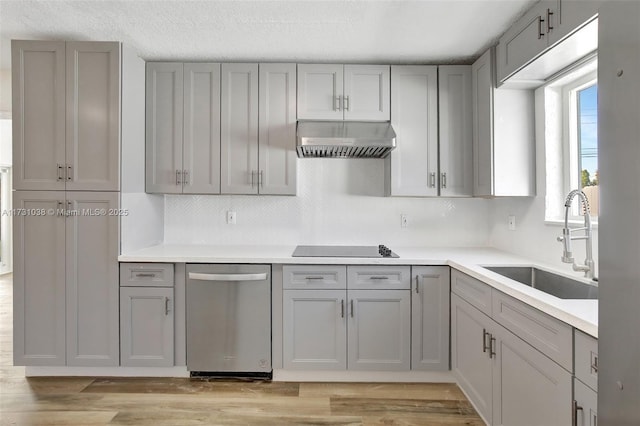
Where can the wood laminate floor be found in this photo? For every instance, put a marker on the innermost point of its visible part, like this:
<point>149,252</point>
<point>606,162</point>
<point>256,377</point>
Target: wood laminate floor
<point>171,401</point>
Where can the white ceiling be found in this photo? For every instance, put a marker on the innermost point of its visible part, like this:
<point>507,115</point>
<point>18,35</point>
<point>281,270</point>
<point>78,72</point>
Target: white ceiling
<point>396,31</point>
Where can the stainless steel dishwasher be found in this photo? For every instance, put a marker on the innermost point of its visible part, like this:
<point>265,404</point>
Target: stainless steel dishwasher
<point>229,320</point>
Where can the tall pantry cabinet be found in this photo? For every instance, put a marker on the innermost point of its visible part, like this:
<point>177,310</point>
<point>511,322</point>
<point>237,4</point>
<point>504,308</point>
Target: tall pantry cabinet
<point>66,145</point>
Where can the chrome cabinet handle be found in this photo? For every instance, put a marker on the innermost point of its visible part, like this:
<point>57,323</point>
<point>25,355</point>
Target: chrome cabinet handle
<point>185,177</point>
<point>417,288</point>
<point>432,180</point>
<point>60,211</point>
<point>227,277</point>
<point>145,275</point>
<point>60,172</point>
<point>261,178</point>
<point>549,27</point>
<point>484,340</point>
<point>351,308</point>
<point>178,181</point>
<point>594,365</point>
<point>69,173</point>
<point>314,278</point>
<point>492,349</point>
<point>69,205</point>
<point>166,306</point>
<point>336,103</point>
<point>574,412</point>
<point>342,308</point>
<point>540,33</point>
<point>346,103</point>
<point>444,180</point>
<point>253,178</point>
<point>379,278</point>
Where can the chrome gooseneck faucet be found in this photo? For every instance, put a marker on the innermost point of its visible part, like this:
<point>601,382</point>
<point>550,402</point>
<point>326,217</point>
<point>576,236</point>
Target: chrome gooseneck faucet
<point>567,256</point>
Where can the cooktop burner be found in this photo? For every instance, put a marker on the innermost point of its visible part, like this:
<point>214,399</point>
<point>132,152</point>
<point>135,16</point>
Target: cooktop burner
<point>343,251</point>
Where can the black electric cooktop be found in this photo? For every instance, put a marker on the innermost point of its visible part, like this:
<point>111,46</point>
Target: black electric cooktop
<point>343,251</point>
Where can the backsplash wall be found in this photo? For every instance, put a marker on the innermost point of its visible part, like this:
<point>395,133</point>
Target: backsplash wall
<point>338,202</point>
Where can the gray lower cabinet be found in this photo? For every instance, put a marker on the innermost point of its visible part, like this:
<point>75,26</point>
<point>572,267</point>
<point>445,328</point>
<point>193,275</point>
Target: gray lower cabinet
<point>508,381</point>
<point>66,279</point>
<point>585,405</point>
<point>146,326</point>
<point>430,318</point>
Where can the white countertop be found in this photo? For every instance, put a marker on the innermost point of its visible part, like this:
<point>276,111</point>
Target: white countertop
<point>581,314</point>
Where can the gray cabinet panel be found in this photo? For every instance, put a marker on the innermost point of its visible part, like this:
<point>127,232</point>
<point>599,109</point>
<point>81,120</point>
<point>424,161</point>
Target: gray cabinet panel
<point>146,326</point>
<point>374,277</point>
<point>38,81</point>
<point>549,335</point>
<point>164,115</point>
<point>570,15</point>
<point>472,290</point>
<point>320,88</point>
<point>146,274</point>
<point>430,318</point>
<point>586,359</point>
<point>586,404</point>
<point>455,120</point>
<point>92,279</point>
<point>314,277</point>
<point>93,116</point>
<point>366,92</point>
<point>201,149</point>
<point>379,326</point>
<point>482,83</point>
<point>315,330</point>
<point>239,129</point>
<point>39,280</point>
<point>529,388</point>
<point>277,129</point>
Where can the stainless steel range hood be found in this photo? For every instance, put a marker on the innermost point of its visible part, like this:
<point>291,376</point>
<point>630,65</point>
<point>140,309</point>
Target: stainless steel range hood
<point>345,139</point>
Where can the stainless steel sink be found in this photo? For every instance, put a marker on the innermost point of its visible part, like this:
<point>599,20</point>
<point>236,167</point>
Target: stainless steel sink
<point>550,283</point>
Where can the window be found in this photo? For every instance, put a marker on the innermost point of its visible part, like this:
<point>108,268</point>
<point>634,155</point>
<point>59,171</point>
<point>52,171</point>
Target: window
<point>571,140</point>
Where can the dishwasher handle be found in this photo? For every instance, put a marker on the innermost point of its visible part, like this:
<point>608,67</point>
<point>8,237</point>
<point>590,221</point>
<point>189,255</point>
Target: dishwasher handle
<point>227,277</point>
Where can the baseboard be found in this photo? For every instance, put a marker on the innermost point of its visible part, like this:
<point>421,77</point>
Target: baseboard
<point>364,376</point>
<point>107,371</point>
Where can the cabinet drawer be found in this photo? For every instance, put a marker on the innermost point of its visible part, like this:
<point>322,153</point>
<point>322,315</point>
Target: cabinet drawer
<point>586,361</point>
<point>550,336</point>
<point>146,274</point>
<point>472,290</point>
<point>314,277</point>
<point>379,277</point>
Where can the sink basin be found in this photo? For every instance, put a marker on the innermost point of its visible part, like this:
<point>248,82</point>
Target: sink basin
<point>550,283</point>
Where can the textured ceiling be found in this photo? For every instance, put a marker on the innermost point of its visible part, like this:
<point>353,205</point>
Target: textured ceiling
<point>396,31</point>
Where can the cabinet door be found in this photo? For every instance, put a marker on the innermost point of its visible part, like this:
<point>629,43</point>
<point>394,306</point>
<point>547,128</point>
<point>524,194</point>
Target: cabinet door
<point>146,326</point>
<point>38,81</point>
<point>470,359</point>
<point>482,105</point>
<point>239,129</point>
<point>39,279</point>
<point>528,387</point>
<point>379,335</point>
<point>412,167</point>
<point>523,42</point>
<point>277,129</point>
<point>366,92</point>
<point>430,318</point>
<point>93,116</point>
<point>201,149</point>
<point>92,279</point>
<point>568,16</point>
<point>164,108</point>
<point>455,119</point>
<point>585,404</point>
<point>320,92</point>
<point>315,330</point>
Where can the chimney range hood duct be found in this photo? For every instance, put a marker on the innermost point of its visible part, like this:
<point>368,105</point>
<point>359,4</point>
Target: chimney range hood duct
<point>344,139</point>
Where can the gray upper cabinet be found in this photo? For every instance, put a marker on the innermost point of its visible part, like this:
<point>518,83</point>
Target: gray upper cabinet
<point>92,280</point>
<point>146,326</point>
<point>66,98</point>
<point>412,168</point>
<point>455,124</point>
<point>66,280</point>
<point>430,318</point>
<point>428,162</point>
<point>570,15</point>
<point>93,116</point>
<point>503,135</point>
<point>343,92</point>
<point>239,129</point>
<point>201,133</point>
<point>39,280</point>
<point>277,129</point>
<point>164,115</point>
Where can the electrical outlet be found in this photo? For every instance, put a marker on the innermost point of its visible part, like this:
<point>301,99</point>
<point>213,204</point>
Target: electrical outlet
<point>403,220</point>
<point>231,218</point>
<point>512,223</point>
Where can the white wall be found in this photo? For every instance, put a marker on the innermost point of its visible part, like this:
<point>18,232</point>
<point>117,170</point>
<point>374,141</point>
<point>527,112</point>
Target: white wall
<point>533,238</point>
<point>339,202</point>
